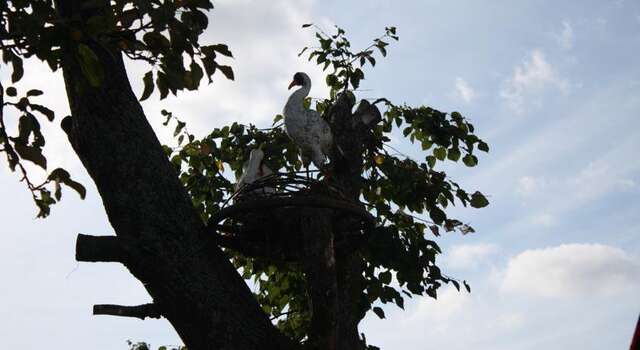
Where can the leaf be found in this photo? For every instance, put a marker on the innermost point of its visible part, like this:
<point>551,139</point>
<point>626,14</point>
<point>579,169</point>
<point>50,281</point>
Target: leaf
<point>148,86</point>
<point>61,175</point>
<point>378,311</point>
<point>57,193</point>
<point>431,161</point>
<point>483,146</point>
<point>469,160</point>
<point>467,286</point>
<point>219,165</point>
<point>161,82</point>
<point>227,71</point>
<point>11,91</point>
<point>90,65</point>
<point>44,110</point>
<point>179,128</point>
<point>196,74</point>
<point>435,230</point>
<point>456,284</point>
<point>453,154</point>
<point>440,153</point>
<point>306,25</point>
<point>18,69</point>
<point>437,215</point>
<point>478,200</point>
<point>383,51</point>
<point>32,154</point>
<point>222,49</point>
<point>34,92</point>
<point>385,277</point>
<point>379,159</point>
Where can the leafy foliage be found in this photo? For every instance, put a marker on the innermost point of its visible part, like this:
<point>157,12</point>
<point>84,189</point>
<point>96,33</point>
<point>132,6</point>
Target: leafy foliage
<point>165,34</point>
<point>27,145</point>
<point>407,197</point>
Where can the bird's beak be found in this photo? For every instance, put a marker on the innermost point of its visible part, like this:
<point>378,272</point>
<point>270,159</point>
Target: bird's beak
<point>292,84</point>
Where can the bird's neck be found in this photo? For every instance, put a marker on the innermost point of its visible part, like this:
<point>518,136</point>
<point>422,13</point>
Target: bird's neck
<point>296,100</point>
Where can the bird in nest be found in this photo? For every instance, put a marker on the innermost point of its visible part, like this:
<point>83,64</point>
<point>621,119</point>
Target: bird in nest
<point>253,170</point>
<point>305,127</point>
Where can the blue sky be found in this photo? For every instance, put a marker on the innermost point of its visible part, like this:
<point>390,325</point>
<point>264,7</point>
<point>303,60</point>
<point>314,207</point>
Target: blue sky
<point>553,86</point>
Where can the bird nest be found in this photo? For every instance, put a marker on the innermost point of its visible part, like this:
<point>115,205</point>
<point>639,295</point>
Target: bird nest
<point>263,218</point>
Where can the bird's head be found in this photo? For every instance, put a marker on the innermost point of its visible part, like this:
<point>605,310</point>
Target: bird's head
<point>300,79</point>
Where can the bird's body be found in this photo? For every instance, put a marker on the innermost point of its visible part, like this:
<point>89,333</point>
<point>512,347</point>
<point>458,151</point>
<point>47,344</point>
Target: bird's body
<point>306,127</point>
<point>253,170</point>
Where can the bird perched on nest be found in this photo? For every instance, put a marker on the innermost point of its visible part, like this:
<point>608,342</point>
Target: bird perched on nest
<point>253,170</point>
<point>305,127</point>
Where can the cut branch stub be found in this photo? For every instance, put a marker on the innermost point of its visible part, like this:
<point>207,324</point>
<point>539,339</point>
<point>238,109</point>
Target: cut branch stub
<point>138,311</point>
<point>99,249</point>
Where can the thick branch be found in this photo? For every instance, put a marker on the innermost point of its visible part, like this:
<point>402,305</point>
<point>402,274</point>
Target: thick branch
<point>139,311</point>
<point>99,249</point>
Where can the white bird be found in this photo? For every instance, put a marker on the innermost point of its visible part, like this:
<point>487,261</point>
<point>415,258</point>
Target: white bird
<point>304,126</point>
<point>253,170</point>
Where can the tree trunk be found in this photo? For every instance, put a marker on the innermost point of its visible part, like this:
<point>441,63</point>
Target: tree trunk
<point>191,281</point>
<point>320,268</point>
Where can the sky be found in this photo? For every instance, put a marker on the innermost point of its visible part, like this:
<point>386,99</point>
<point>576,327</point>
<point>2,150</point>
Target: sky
<point>552,86</point>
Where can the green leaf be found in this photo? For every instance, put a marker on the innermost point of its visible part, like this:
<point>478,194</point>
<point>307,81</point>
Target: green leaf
<point>469,160</point>
<point>453,154</point>
<point>148,86</point>
<point>378,311</point>
<point>440,153</point>
<point>478,200</point>
<point>483,146</point>
<point>227,71</point>
<point>431,161</point>
<point>437,215</point>
<point>385,277</point>
<point>90,65</point>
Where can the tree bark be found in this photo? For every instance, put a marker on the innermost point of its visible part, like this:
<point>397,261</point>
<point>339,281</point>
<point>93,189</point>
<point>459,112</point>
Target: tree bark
<point>191,281</point>
<point>351,132</point>
<point>320,268</point>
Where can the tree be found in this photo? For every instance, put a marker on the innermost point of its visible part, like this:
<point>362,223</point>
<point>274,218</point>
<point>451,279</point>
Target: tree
<point>163,210</point>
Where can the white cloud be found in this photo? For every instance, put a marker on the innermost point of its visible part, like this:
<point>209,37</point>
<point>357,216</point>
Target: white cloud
<point>571,270</point>
<point>450,303</point>
<point>529,185</point>
<point>469,255</point>
<point>600,177</point>
<point>532,76</point>
<point>543,219</point>
<point>265,41</point>
<point>463,90</point>
<point>565,39</point>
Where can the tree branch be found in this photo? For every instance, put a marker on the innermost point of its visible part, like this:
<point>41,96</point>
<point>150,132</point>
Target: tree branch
<point>139,311</point>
